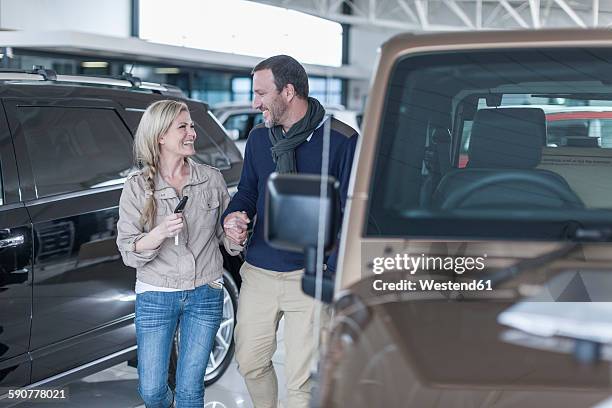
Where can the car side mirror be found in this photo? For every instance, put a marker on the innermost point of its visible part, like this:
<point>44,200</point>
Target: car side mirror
<point>293,204</point>
<point>233,134</point>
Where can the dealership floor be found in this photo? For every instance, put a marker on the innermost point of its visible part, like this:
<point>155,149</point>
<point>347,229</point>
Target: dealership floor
<point>116,387</point>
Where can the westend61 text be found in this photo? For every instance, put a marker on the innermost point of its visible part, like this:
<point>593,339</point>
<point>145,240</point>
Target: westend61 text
<point>431,284</point>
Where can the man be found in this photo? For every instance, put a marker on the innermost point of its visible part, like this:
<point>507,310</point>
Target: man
<point>289,141</point>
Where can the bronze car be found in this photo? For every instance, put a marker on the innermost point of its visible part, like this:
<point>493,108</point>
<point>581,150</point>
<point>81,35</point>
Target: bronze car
<point>475,257</point>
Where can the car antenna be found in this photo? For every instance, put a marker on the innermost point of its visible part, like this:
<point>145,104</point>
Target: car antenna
<point>129,77</point>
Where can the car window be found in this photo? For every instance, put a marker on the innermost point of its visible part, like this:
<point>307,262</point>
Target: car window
<point>593,126</point>
<point>565,125</point>
<point>244,123</point>
<point>257,119</point>
<point>74,149</point>
<point>212,146</point>
<point>485,144</point>
<point>240,123</point>
<point>209,152</point>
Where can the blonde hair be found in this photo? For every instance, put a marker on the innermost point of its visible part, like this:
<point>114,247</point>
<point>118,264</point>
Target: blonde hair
<point>155,122</point>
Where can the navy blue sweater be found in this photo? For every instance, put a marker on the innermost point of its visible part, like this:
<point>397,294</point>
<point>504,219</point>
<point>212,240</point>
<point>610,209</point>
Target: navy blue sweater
<point>258,165</point>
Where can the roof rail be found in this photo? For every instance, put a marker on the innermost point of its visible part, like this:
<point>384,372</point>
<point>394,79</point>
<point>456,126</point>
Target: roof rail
<point>48,74</point>
<point>126,80</point>
<point>129,77</point>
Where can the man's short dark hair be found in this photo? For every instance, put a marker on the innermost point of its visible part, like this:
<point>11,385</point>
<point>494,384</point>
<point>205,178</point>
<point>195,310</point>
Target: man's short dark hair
<point>286,70</point>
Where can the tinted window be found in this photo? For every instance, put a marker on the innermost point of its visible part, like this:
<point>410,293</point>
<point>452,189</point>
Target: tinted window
<point>239,123</point>
<point>258,119</point>
<point>208,151</point>
<point>244,123</point>
<point>211,145</point>
<point>482,145</point>
<point>73,149</point>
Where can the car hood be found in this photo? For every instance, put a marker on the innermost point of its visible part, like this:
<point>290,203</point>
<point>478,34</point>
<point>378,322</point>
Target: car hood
<point>438,349</point>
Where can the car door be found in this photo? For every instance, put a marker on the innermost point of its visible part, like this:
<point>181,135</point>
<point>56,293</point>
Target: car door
<point>15,270</point>
<point>75,155</point>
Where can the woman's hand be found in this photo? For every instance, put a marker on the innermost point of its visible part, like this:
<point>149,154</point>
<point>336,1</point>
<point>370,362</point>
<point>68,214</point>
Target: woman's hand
<point>169,227</point>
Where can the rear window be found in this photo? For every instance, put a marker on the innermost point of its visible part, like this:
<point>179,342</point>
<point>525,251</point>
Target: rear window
<point>507,144</point>
<point>75,149</point>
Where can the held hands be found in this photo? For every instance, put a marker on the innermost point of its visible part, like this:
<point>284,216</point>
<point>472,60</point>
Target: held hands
<point>235,226</point>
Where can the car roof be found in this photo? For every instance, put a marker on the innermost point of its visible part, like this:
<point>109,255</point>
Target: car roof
<point>493,39</point>
<point>407,44</point>
<point>129,98</point>
<point>41,82</point>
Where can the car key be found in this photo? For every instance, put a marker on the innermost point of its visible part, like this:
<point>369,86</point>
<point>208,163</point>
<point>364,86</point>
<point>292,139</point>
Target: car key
<point>179,209</point>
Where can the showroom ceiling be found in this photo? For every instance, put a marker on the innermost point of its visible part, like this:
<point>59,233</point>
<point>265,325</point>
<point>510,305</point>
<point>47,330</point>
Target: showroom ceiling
<point>445,15</point>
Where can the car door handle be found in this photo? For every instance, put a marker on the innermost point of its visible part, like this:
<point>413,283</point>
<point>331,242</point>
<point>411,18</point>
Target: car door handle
<point>12,241</point>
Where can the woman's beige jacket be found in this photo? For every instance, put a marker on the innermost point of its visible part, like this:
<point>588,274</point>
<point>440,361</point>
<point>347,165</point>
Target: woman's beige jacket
<point>197,259</point>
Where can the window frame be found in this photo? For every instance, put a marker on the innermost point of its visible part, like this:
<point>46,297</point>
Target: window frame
<point>9,175</point>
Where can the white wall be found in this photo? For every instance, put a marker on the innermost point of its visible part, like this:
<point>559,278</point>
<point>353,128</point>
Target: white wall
<point>363,51</point>
<point>108,17</point>
<point>365,40</point>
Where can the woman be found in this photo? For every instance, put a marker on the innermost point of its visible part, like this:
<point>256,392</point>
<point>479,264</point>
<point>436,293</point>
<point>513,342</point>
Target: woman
<point>176,284</point>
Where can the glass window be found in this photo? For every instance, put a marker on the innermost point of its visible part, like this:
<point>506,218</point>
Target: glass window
<point>481,145</point>
<point>241,89</point>
<point>209,149</point>
<point>239,123</point>
<point>257,119</point>
<point>74,149</point>
<point>212,87</point>
<point>60,65</point>
<point>327,90</point>
<point>244,123</point>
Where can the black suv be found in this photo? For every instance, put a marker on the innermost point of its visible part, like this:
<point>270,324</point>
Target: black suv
<point>66,299</point>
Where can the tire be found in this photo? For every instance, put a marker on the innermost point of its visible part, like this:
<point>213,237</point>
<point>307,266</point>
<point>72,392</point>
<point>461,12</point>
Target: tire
<point>223,349</point>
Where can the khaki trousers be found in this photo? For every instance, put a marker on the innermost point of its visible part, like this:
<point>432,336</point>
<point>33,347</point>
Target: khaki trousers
<point>265,297</point>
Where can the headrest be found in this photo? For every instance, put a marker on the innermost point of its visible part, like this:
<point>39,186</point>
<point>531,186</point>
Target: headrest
<point>507,138</point>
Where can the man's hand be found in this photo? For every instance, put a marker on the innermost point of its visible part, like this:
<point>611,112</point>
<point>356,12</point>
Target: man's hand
<point>235,226</point>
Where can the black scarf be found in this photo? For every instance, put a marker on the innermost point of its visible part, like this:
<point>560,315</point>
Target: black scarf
<point>284,144</point>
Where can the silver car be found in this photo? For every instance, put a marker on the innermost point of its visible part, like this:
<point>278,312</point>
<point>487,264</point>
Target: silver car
<point>239,118</point>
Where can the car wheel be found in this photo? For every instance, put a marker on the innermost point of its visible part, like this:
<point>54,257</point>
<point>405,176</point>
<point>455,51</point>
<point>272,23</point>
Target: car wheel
<point>223,349</point>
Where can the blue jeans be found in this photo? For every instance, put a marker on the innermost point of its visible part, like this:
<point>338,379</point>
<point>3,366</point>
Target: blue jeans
<point>198,315</point>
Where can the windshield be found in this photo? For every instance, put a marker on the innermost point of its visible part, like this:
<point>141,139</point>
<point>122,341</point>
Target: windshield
<point>495,145</point>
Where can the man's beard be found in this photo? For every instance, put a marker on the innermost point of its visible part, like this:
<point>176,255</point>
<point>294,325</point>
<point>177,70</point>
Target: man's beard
<point>276,111</point>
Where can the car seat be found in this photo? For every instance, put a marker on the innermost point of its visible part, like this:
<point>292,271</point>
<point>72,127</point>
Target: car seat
<point>505,147</point>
